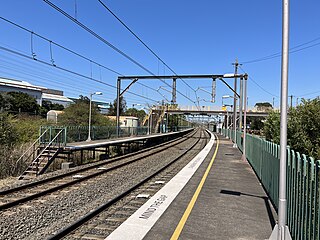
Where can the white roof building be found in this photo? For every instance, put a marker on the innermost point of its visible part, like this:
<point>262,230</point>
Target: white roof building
<point>39,93</point>
<point>57,99</point>
<point>12,85</point>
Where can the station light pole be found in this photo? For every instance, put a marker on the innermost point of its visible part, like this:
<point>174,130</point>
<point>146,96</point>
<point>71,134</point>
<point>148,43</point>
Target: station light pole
<point>281,230</point>
<point>90,113</point>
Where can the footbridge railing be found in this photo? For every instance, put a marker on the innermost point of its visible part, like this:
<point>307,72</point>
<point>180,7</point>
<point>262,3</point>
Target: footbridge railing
<point>303,182</point>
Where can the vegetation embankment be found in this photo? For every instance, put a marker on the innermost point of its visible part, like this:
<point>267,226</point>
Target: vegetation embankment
<point>21,118</point>
<point>303,128</point>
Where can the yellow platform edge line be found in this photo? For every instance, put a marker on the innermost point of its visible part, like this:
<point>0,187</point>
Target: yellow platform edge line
<point>187,212</point>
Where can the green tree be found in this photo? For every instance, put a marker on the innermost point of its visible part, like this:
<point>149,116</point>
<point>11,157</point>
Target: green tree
<point>256,123</point>
<point>303,128</point>
<point>5,102</point>
<point>113,107</point>
<point>272,127</point>
<point>48,105</point>
<point>77,114</point>
<point>8,134</point>
<point>22,102</point>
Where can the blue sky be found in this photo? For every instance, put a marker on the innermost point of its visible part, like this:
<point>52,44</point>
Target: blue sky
<point>192,37</point>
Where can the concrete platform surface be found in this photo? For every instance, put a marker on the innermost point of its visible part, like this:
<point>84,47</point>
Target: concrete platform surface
<point>231,205</point>
<point>103,142</point>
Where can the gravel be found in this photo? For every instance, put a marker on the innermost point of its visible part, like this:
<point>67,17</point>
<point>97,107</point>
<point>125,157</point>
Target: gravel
<point>37,219</point>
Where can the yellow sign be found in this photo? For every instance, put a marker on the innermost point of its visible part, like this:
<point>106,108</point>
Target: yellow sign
<point>224,108</point>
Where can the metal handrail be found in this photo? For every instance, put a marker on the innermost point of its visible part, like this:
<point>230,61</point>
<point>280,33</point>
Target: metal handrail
<point>32,146</point>
<point>49,144</point>
<point>160,117</point>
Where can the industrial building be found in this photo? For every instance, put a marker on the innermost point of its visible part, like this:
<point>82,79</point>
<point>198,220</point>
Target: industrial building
<point>37,92</point>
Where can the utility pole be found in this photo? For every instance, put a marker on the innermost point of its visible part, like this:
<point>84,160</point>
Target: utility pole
<point>236,65</point>
<point>291,96</point>
<point>273,102</point>
<point>297,102</point>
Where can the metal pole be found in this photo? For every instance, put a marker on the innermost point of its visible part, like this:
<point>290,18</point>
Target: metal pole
<point>273,102</point>
<point>244,121</point>
<point>174,90</point>
<point>281,231</point>
<point>241,104</point>
<point>89,130</point>
<point>167,121</point>
<point>148,126</point>
<point>227,135</point>
<point>118,106</point>
<point>235,105</point>
<point>151,122</point>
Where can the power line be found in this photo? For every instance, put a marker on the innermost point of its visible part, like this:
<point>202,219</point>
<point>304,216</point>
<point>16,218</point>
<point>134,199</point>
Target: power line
<point>32,75</point>
<point>109,44</point>
<point>36,73</point>
<point>65,48</point>
<point>292,50</point>
<point>70,71</point>
<point>259,84</point>
<point>59,45</point>
<point>310,93</point>
<point>142,42</point>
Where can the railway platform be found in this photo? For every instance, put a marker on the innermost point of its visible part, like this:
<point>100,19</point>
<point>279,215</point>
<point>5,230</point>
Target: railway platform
<point>216,196</point>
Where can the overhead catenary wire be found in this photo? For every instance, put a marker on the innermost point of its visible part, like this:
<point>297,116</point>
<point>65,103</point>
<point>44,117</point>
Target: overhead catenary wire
<point>58,45</point>
<point>110,45</point>
<point>259,84</point>
<point>70,71</point>
<point>64,48</point>
<point>36,77</point>
<point>143,43</point>
<point>292,50</point>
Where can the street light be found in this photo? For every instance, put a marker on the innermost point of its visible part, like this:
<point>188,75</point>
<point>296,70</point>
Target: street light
<point>89,132</point>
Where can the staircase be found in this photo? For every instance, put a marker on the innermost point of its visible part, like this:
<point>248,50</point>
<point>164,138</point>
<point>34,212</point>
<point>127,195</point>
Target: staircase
<point>160,118</point>
<point>50,143</point>
<point>146,119</point>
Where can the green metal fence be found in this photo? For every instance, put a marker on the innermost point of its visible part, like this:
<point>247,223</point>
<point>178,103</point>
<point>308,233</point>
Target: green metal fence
<point>80,133</point>
<point>303,185</point>
<point>49,133</point>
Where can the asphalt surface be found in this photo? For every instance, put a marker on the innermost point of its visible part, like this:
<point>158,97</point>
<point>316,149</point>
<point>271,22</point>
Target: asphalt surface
<point>231,205</point>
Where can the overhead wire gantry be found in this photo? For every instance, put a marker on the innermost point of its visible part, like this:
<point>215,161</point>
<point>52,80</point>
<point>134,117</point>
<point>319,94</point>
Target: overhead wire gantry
<point>174,78</point>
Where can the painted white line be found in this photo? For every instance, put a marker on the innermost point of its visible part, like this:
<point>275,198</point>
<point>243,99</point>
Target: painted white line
<point>140,223</point>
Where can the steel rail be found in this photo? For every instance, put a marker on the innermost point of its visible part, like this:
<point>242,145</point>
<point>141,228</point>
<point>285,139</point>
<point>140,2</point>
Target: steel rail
<point>70,183</point>
<point>99,164</point>
<point>63,232</point>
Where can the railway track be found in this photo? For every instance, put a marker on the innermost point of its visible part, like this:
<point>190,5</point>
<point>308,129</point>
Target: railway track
<point>21,194</point>
<point>95,221</point>
<point>75,194</point>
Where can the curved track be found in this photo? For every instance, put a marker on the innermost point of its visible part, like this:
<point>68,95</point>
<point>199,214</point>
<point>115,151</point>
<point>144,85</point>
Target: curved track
<point>14,196</point>
<point>89,216</point>
<point>53,205</point>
